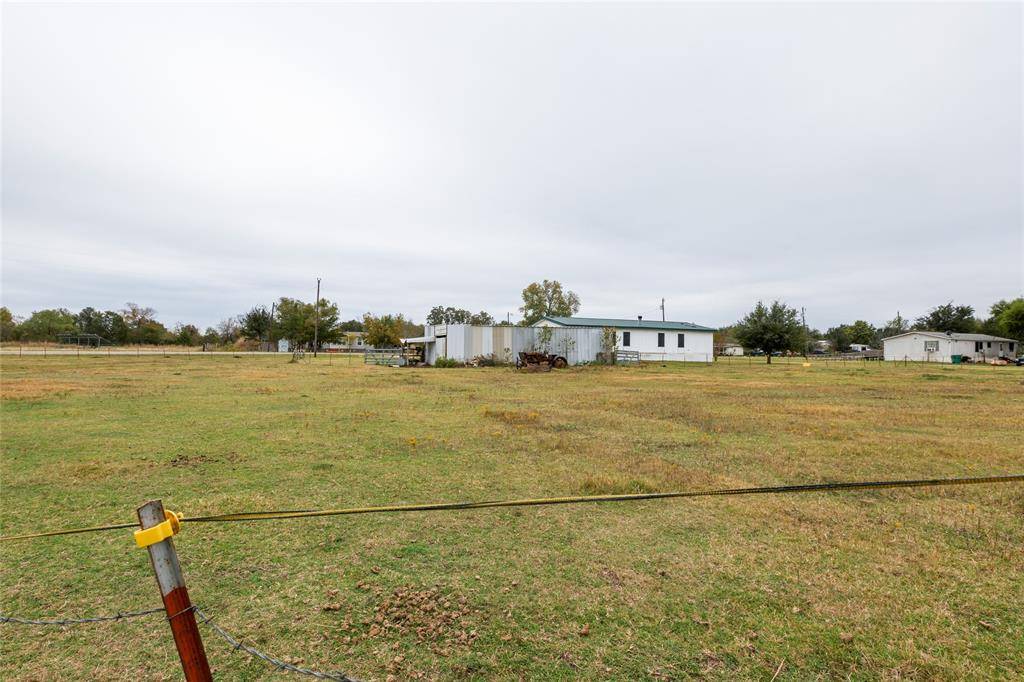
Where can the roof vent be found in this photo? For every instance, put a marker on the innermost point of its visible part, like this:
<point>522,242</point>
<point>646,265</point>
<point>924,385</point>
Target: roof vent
<point>639,318</point>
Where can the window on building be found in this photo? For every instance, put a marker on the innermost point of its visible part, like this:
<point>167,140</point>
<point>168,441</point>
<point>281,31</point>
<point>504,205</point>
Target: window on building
<point>681,340</point>
<point>1011,346</point>
<point>661,339</point>
<point>625,338</point>
<point>989,343</point>
<point>931,346</point>
<point>977,346</point>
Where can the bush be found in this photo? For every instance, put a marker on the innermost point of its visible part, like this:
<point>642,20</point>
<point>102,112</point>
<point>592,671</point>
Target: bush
<point>447,362</point>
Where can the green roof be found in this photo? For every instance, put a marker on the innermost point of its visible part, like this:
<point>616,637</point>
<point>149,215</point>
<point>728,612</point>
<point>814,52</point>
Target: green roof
<point>627,324</point>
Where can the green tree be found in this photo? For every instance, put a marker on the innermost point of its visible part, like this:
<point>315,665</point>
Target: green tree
<point>839,338</point>
<point>771,328</point>
<point>351,326</point>
<point>8,325</point>
<point>256,324</point>
<point>547,298</point>
<point>384,331</point>
<point>449,315</point>
<point>296,321</point>
<point>45,325</point>
<point>896,325</point>
<point>1011,319</point>
<point>948,318</point>
<point>863,333</point>
<point>482,319</point>
<point>187,335</point>
<point>142,326</point>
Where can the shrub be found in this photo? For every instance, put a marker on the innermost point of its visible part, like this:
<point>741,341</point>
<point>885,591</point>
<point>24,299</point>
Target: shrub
<point>447,362</point>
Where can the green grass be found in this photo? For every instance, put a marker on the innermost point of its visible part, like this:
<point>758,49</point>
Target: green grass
<point>919,583</point>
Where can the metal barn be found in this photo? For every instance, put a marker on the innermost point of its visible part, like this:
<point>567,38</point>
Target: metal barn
<point>463,342</point>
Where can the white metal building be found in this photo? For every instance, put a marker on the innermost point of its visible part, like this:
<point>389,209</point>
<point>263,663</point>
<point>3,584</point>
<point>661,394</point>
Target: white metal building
<point>921,346</point>
<point>464,342</point>
<point>655,340</point>
<point>731,349</point>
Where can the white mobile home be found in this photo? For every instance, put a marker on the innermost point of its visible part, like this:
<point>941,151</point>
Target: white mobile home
<point>654,340</point>
<point>921,346</point>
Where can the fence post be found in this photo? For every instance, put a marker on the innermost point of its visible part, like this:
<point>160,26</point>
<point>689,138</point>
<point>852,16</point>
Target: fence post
<point>175,595</point>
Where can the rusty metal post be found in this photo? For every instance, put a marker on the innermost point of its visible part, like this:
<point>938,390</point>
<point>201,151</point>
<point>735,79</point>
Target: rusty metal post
<point>175,595</point>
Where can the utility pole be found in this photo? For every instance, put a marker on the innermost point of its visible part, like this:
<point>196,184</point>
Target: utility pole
<point>508,318</point>
<point>270,327</point>
<point>803,321</point>
<point>662,310</point>
<point>316,328</point>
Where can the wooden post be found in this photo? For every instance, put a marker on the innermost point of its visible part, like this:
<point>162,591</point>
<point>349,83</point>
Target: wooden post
<point>175,596</point>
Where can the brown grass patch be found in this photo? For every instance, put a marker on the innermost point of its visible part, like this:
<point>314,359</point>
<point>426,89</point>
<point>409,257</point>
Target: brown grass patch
<point>35,389</point>
<point>616,484</point>
<point>514,417</point>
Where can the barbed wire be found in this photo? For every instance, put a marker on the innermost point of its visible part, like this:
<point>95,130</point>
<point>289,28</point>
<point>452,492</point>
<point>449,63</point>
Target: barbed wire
<point>203,618</point>
<point>79,621</point>
<point>276,662</point>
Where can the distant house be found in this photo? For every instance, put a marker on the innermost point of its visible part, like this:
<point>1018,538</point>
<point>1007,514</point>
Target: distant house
<point>859,347</point>
<point>821,346</point>
<point>653,339</point>
<point>730,349</point>
<point>349,342</point>
<point>922,346</point>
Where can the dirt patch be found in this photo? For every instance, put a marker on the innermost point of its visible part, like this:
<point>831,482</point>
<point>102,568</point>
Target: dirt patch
<point>433,615</point>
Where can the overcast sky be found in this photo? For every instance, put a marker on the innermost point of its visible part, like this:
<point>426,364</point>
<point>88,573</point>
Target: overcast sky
<point>856,159</point>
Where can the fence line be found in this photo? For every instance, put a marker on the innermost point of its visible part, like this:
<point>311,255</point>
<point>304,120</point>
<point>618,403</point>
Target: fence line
<point>156,538</point>
<point>545,501</point>
<point>236,644</point>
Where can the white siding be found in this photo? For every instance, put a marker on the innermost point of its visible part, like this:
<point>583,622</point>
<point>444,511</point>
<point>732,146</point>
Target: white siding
<point>698,346</point>
<point>912,347</point>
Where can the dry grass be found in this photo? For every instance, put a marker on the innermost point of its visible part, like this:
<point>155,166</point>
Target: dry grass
<point>921,584</point>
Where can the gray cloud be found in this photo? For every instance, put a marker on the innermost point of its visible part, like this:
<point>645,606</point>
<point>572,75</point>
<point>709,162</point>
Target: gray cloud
<point>853,159</point>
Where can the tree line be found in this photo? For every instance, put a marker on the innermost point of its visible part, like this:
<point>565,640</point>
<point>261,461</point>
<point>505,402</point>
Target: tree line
<point>779,328</point>
<point>297,321</point>
<point>288,318</point>
<point>774,327</point>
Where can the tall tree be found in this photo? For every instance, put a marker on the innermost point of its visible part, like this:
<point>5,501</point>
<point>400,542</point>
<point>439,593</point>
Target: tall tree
<point>771,328</point>
<point>296,321</point>
<point>547,298</point>
<point>45,325</point>
<point>384,331</point>
<point>256,324</point>
<point>896,325</point>
<point>1011,319</point>
<point>482,319</point>
<point>351,326</point>
<point>142,326</point>
<point>948,318</point>
<point>449,315</point>
<point>8,325</point>
<point>839,338</point>
<point>187,335</point>
<point>228,330</point>
<point>863,333</point>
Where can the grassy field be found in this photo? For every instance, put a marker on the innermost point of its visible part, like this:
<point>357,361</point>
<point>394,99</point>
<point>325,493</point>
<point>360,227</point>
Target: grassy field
<point>920,583</point>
